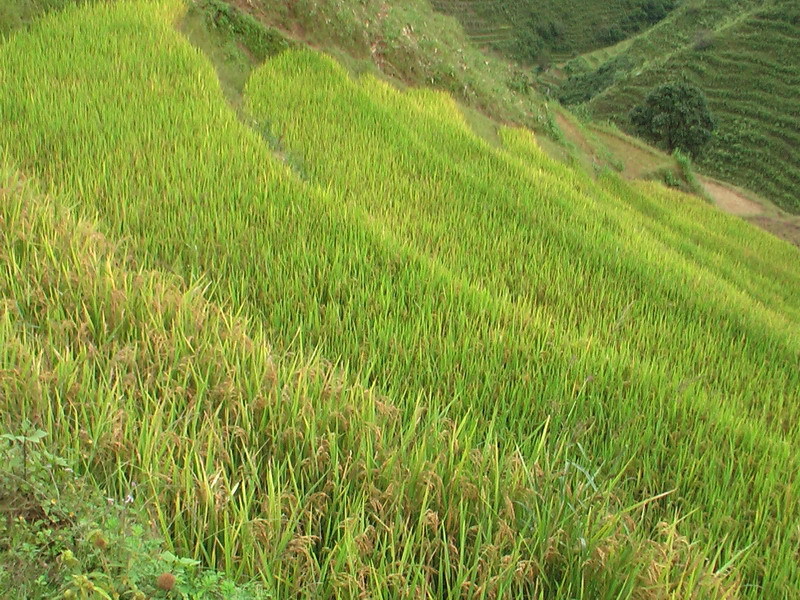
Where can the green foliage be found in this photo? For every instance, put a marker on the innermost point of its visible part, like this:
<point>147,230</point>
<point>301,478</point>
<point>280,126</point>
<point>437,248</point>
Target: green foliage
<point>636,18</point>
<point>410,43</point>
<point>686,169</point>
<point>526,46</point>
<point>232,40</point>
<point>60,537</point>
<point>703,40</point>
<point>679,176</point>
<point>259,40</point>
<point>520,82</point>
<point>670,179</point>
<point>675,116</point>
<point>536,38</point>
<point>646,14</point>
<point>582,87</point>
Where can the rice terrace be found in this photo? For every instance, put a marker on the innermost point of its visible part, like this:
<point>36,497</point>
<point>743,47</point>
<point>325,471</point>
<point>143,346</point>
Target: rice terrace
<point>468,299</point>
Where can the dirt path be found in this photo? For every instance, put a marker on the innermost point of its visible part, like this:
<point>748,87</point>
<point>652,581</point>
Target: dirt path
<point>765,216</point>
<point>639,161</point>
<point>730,200</point>
<point>573,134</point>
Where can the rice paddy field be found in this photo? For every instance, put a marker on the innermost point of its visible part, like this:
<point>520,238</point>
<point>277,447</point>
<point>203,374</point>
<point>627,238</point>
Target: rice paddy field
<point>336,343</point>
<point>745,58</point>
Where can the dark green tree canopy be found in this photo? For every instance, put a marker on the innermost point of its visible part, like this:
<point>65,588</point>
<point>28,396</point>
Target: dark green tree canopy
<point>676,117</point>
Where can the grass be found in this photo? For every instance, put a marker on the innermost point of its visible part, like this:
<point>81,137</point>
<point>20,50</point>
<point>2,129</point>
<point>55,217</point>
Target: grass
<point>544,385</point>
<point>738,68</point>
<point>234,42</point>
<point>409,44</point>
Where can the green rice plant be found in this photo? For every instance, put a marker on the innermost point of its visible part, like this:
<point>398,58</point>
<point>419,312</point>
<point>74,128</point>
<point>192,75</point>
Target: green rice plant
<point>276,465</point>
<point>487,309</point>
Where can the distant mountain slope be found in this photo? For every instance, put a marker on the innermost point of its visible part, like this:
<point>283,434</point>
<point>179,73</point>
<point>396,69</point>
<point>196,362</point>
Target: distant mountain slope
<point>534,29</point>
<point>748,64</point>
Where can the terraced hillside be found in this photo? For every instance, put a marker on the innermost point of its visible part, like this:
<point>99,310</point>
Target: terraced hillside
<point>532,29</point>
<point>749,67</point>
<point>547,385</point>
<point>409,43</point>
<point>487,22</point>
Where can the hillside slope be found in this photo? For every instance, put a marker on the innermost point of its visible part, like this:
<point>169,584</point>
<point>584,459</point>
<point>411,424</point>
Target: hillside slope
<point>406,42</point>
<point>747,61</point>
<point>531,30</point>
<point>602,145</point>
<point>477,296</point>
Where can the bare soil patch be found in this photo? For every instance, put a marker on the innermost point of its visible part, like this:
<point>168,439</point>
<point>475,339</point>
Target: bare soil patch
<point>574,135</point>
<point>730,200</point>
<point>784,228</point>
<point>640,161</point>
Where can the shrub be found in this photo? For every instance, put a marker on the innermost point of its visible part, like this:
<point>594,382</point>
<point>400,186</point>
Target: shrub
<point>61,536</point>
<point>519,82</point>
<point>703,39</point>
<point>261,41</point>
<point>583,87</point>
<point>609,36</point>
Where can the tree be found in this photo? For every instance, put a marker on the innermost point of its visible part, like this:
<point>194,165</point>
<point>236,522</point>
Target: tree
<point>676,116</point>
